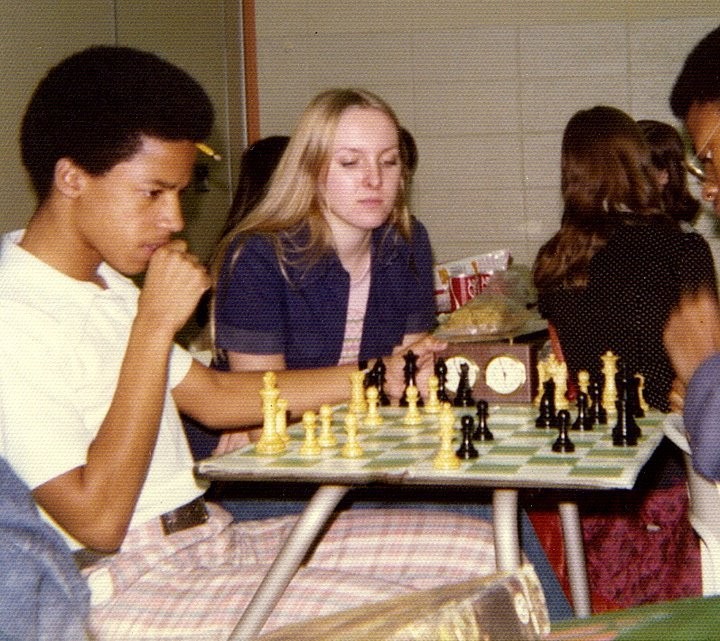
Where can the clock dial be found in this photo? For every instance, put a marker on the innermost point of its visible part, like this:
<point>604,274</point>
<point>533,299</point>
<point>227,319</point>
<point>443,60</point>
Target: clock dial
<point>454,370</point>
<point>505,374</point>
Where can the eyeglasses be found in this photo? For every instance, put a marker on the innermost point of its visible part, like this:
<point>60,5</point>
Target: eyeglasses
<point>703,168</point>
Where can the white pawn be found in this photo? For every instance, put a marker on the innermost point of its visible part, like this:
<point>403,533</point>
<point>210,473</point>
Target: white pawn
<point>446,458</point>
<point>413,415</point>
<point>373,417</point>
<point>352,448</point>
<point>327,438</point>
<point>310,446</point>
<point>433,403</point>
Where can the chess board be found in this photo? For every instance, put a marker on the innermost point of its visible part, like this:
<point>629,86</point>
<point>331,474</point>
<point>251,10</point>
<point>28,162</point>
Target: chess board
<point>519,456</point>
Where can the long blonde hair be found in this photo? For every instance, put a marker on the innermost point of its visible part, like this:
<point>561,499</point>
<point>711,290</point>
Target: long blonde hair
<point>293,201</point>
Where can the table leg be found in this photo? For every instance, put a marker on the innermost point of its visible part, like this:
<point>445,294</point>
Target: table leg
<point>301,537</point>
<point>506,529</point>
<point>575,556</point>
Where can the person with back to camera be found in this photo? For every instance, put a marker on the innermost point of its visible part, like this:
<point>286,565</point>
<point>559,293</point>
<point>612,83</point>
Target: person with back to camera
<point>608,280</point>
<point>92,382</point>
<point>667,151</point>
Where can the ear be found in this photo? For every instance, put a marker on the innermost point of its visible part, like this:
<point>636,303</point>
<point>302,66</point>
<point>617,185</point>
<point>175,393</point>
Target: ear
<point>69,178</point>
<point>663,177</point>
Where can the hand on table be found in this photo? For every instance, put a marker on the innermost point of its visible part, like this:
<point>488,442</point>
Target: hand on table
<point>425,349</point>
<point>231,440</point>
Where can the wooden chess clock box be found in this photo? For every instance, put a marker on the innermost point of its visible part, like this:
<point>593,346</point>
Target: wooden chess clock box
<point>498,372</point>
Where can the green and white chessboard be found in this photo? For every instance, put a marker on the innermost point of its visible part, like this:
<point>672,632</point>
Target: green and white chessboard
<point>519,456</point>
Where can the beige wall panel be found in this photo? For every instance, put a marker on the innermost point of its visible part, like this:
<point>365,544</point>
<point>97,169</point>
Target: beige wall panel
<point>198,36</point>
<point>33,37</point>
<point>486,88</point>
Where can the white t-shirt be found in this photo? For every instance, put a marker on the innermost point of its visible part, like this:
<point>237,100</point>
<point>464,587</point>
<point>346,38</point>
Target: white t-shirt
<point>62,342</point>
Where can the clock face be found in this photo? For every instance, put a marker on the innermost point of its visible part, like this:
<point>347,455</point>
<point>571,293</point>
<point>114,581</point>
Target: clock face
<point>454,370</point>
<point>505,374</point>
<point>500,372</point>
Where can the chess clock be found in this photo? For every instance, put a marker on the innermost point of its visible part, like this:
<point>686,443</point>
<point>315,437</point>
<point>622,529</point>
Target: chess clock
<point>503,372</point>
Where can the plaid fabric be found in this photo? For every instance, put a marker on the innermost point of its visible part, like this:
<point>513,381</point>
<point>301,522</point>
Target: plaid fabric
<point>195,584</point>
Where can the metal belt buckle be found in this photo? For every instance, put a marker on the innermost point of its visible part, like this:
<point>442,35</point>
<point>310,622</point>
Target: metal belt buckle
<point>184,517</point>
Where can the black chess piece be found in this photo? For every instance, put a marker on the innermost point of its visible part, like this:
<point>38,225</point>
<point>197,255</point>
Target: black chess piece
<point>596,412</point>
<point>482,432</point>
<point>441,373</point>
<point>638,411</point>
<point>410,370</point>
<point>547,417</point>
<point>378,377</point>
<point>626,431</point>
<point>467,449</point>
<point>464,397</point>
<point>563,442</point>
<point>582,422</point>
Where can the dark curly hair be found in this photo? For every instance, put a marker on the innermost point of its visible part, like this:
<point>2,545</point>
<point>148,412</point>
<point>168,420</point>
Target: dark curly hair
<point>699,79</point>
<point>95,106</point>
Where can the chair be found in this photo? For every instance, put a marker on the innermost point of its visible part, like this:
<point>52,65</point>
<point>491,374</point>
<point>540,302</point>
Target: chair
<point>704,513</point>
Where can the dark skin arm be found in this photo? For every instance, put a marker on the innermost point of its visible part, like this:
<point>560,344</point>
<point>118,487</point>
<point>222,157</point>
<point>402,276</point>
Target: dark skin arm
<point>692,334</point>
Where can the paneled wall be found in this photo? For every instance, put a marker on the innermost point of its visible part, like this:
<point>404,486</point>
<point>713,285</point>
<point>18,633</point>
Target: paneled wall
<point>485,87</point>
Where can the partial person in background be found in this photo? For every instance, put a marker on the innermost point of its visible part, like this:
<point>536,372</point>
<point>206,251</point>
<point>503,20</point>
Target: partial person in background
<point>42,595</point>
<point>667,151</point>
<point>608,280</point>
<point>257,165</point>
<point>692,335</point>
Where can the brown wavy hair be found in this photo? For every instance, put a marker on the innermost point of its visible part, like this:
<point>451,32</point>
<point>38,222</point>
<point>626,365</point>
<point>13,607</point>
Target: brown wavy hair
<point>607,180</point>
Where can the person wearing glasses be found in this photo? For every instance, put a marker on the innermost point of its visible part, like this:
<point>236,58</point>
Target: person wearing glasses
<point>692,334</point>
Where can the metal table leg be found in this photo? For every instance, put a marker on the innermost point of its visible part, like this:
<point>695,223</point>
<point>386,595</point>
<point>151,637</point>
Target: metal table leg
<point>283,569</point>
<point>575,555</point>
<point>506,529</point>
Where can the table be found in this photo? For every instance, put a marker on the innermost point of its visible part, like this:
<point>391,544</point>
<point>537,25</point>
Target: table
<point>520,456</point>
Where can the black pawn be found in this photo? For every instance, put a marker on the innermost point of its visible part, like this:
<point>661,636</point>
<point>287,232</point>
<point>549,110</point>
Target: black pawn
<point>467,449</point>
<point>597,413</point>
<point>378,377</point>
<point>482,432</point>
<point>464,397</point>
<point>626,431</point>
<point>582,422</point>
<point>410,371</point>
<point>547,418</point>
<point>563,442</point>
<point>441,373</point>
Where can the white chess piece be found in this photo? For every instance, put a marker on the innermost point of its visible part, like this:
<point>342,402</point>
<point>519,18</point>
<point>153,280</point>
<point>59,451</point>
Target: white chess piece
<point>609,395</point>
<point>373,417</point>
<point>326,438</point>
<point>352,448</point>
<point>310,446</point>
<point>269,442</point>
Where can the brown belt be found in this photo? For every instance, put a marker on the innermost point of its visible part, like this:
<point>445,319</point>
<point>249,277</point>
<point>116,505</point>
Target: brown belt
<point>177,520</point>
